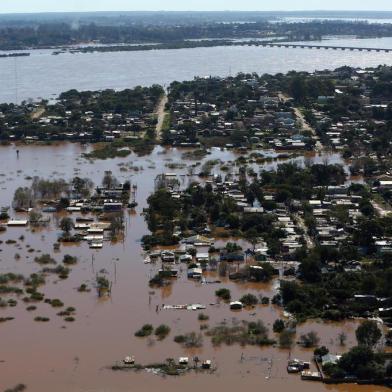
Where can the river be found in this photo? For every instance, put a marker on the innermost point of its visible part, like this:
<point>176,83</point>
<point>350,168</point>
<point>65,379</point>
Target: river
<point>44,75</point>
<point>63,357</point>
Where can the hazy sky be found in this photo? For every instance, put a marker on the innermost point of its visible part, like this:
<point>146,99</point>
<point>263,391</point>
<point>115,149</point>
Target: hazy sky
<point>200,5</point>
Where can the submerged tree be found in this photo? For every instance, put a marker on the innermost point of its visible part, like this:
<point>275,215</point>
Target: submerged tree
<point>66,225</point>
<point>368,334</point>
<point>23,198</point>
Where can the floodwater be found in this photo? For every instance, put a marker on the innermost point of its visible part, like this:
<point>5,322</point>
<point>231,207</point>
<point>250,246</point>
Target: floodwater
<point>44,75</point>
<point>63,357</point>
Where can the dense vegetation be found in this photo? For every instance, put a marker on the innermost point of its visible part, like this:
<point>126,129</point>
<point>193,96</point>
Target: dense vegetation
<point>134,29</point>
<point>88,115</point>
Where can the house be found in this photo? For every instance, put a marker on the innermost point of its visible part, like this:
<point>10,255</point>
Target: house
<point>195,273</point>
<point>330,359</point>
<point>202,257</point>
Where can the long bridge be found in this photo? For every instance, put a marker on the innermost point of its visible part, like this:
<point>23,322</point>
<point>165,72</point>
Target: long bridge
<point>326,47</point>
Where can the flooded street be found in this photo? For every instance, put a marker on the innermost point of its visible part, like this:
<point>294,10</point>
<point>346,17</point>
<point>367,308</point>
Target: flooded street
<point>62,357</point>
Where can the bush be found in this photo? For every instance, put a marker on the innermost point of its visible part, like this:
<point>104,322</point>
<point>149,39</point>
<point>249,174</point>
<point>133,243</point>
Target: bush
<point>190,340</point>
<point>278,326</point>
<point>310,339</point>
<point>203,317</point>
<point>144,331</point>
<point>41,319</point>
<point>18,388</point>
<point>4,216</point>
<point>321,351</point>
<point>249,300</point>
<point>70,260</point>
<point>36,296</point>
<point>179,339</point>
<point>223,294</point>
<point>286,338</point>
<point>82,288</point>
<point>56,303</point>
<point>45,259</point>
<point>162,331</point>
<point>265,301</point>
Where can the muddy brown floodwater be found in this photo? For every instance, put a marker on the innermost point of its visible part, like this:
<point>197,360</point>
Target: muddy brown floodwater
<point>62,357</point>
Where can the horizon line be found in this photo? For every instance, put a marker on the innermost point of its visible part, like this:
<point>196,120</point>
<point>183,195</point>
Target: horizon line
<point>189,11</point>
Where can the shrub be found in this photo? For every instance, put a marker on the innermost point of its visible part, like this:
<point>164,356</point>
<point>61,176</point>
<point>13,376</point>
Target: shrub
<point>321,351</point>
<point>190,340</point>
<point>56,303</point>
<point>162,331</point>
<point>278,326</point>
<point>41,319</point>
<point>203,317</point>
<point>223,294</point>
<point>70,260</point>
<point>18,388</point>
<point>45,259</point>
<point>36,296</point>
<point>286,338</point>
<point>249,300</point>
<point>310,339</point>
<point>144,331</point>
<point>265,301</point>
